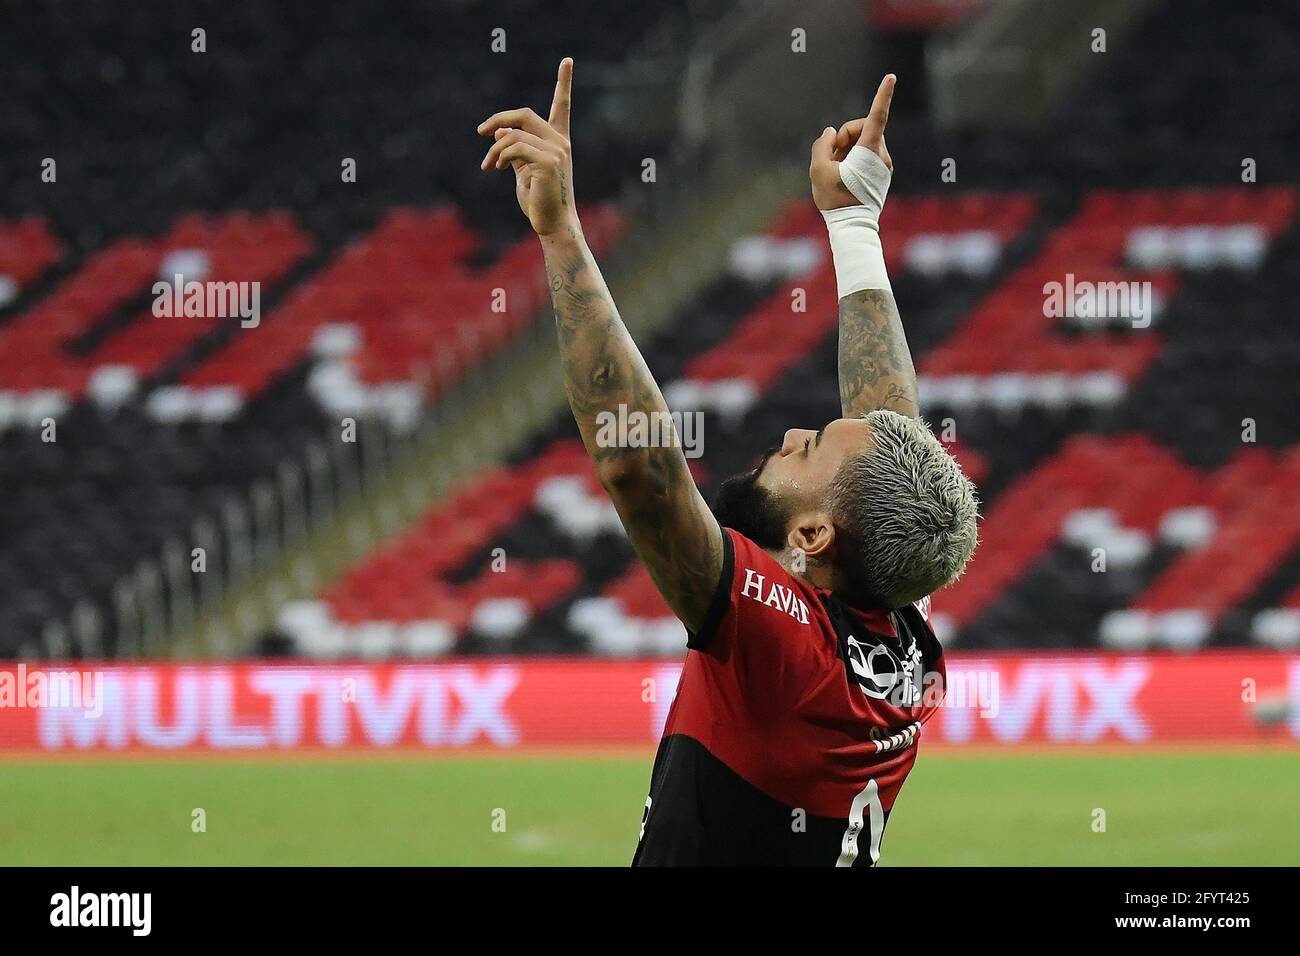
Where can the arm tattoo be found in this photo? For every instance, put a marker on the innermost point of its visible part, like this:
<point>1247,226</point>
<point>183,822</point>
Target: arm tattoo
<point>875,365</point>
<point>666,519</point>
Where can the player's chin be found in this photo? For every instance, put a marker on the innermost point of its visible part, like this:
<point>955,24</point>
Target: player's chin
<point>744,505</point>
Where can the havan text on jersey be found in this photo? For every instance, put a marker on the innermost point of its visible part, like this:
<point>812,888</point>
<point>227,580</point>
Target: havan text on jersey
<point>758,588</point>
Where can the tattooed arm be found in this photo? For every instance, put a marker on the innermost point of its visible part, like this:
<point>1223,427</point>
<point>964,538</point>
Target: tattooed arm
<point>875,365</point>
<point>666,518</point>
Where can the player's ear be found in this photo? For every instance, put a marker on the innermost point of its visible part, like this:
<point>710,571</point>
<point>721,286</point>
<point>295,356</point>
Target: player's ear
<point>813,533</point>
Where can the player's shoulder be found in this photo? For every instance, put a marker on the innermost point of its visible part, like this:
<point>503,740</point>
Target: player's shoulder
<point>751,560</point>
<point>758,577</point>
<point>756,595</point>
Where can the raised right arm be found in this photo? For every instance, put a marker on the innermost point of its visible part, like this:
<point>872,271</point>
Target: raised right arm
<point>875,366</point>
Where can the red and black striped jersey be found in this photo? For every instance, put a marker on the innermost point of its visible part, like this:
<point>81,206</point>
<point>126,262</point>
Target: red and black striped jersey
<point>796,721</point>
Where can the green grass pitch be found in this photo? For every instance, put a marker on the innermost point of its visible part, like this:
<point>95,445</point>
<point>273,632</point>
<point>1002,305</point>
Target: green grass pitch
<point>1229,808</point>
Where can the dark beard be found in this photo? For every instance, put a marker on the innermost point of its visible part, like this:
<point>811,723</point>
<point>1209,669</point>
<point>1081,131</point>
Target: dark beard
<point>742,505</point>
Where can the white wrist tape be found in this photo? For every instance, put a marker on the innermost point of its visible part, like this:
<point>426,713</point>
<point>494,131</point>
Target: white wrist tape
<point>855,230</point>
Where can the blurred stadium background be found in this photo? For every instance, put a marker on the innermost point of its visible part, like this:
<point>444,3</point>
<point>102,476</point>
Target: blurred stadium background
<point>365,526</point>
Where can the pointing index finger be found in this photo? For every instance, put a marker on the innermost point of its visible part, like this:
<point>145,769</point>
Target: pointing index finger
<point>880,105</point>
<point>563,97</point>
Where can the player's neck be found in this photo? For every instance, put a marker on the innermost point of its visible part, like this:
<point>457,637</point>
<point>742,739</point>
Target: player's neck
<point>817,572</point>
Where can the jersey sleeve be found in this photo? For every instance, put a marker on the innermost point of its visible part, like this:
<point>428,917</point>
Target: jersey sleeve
<point>723,598</point>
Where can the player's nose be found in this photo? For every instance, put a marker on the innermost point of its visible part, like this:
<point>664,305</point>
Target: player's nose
<point>795,439</point>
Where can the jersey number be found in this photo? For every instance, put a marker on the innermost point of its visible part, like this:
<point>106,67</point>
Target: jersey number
<point>866,803</point>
